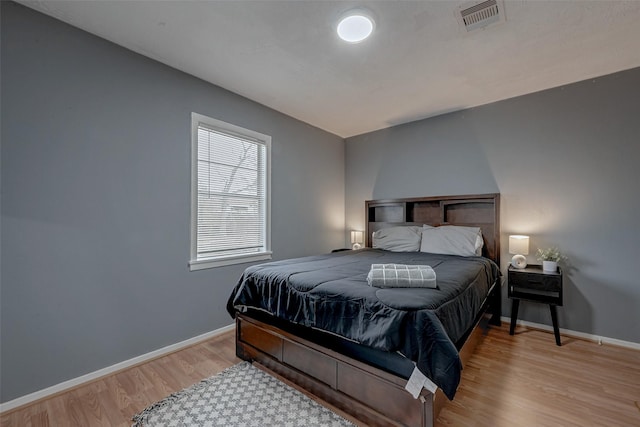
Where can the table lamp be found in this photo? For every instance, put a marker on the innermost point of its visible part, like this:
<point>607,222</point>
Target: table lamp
<point>519,245</point>
<point>356,239</point>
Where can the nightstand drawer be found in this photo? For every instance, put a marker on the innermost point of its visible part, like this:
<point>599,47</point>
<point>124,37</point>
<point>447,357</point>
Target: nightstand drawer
<point>535,282</point>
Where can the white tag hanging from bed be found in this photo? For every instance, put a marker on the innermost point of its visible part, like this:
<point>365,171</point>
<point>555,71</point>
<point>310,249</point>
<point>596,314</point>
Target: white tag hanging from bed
<point>417,381</point>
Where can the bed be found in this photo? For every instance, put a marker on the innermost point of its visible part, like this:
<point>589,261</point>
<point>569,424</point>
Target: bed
<point>316,322</point>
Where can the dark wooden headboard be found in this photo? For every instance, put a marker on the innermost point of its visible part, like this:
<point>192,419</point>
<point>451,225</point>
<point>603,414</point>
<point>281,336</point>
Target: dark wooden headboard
<point>474,210</point>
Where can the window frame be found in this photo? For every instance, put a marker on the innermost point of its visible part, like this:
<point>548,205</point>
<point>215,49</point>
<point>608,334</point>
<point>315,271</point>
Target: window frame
<point>219,261</point>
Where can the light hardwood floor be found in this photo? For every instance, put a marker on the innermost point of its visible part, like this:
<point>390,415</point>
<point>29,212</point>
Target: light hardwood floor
<point>521,380</point>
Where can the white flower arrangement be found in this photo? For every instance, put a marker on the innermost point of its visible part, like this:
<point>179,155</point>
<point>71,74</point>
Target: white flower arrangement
<point>550,254</point>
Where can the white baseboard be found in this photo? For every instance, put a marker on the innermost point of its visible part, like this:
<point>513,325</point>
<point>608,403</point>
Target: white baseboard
<point>32,397</point>
<point>576,334</point>
<point>40,394</point>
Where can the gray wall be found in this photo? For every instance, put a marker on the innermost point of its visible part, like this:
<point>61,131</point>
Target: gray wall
<point>96,199</point>
<point>566,162</point>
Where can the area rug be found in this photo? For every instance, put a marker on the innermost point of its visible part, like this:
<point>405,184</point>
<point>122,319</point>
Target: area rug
<point>242,395</point>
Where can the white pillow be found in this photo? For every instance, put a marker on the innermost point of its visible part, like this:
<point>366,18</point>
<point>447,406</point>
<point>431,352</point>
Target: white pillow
<point>479,243</point>
<point>452,240</point>
<point>398,239</point>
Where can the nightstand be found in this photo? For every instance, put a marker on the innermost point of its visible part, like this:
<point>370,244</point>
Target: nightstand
<point>534,284</point>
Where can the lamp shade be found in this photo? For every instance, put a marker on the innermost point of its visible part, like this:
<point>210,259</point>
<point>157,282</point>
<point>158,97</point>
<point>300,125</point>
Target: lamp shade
<point>519,245</point>
<point>357,236</point>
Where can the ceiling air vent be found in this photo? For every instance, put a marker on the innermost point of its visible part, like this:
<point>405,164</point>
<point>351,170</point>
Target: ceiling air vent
<point>476,15</point>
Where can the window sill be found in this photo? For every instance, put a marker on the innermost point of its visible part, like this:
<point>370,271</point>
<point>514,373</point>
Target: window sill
<point>221,262</point>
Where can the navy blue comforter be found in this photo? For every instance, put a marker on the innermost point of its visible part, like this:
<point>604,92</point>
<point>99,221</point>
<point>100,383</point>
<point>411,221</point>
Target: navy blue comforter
<point>330,292</point>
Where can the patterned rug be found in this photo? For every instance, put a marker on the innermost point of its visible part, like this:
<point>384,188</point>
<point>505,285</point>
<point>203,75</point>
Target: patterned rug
<point>242,395</point>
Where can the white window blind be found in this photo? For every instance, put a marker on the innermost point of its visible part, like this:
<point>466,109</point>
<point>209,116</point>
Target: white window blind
<point>231,192</point>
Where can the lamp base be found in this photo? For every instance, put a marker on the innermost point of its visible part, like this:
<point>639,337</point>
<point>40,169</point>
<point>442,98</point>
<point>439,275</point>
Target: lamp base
<point>356,246</point>
<point>519,261</point>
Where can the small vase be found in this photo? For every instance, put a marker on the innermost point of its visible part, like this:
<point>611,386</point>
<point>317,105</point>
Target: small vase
<point>550,266</point>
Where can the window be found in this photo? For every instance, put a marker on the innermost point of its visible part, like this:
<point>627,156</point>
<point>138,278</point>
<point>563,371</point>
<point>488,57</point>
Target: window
<point>230,169</point>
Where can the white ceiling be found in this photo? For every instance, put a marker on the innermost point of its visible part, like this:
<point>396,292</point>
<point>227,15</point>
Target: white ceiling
<point>418,63</point>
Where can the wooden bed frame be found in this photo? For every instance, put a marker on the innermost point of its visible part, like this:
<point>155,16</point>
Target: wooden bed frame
<point>372,395</point>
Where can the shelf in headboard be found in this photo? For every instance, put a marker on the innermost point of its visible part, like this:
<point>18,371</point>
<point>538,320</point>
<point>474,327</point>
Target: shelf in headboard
<point>425,212</point>
<point>477,210</point>
<point>387,212</point>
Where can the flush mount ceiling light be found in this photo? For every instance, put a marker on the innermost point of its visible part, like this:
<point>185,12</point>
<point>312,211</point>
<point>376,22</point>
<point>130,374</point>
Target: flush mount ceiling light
<point>355,26</point>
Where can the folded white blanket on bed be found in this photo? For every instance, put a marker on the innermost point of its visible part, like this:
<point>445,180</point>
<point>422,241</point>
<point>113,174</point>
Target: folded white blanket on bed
<point>401,276</point>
